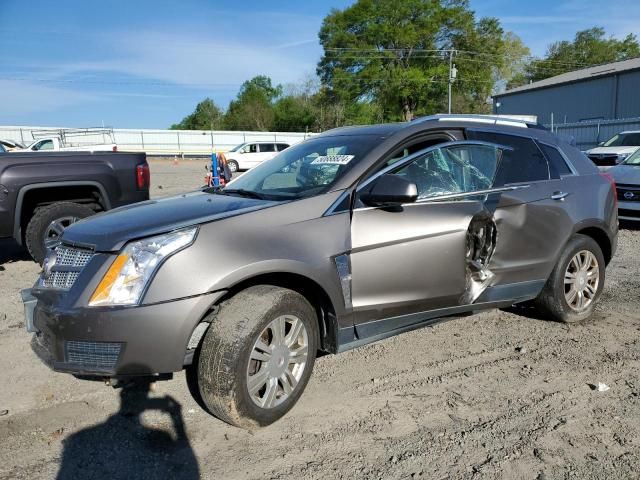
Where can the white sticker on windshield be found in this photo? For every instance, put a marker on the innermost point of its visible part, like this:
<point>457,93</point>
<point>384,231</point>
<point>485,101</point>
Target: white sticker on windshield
<point>332,160</point>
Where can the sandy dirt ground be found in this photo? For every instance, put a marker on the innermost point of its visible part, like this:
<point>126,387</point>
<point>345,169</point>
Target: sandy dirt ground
<point>497,395</point>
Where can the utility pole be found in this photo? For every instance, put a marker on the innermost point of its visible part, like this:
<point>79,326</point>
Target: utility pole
<point>453,71</point>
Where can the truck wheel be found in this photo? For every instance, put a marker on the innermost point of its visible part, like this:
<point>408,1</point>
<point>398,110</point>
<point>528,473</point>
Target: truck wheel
<point>233,166</point>
<point>48,223</point>
<point>575,284</point>
<point>257,356</point>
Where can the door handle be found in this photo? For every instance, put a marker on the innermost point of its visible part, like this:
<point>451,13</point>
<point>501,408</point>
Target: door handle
<point>559,196</point>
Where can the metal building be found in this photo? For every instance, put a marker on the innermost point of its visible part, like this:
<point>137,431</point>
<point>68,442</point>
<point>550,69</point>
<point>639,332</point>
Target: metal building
<point>604,92</point>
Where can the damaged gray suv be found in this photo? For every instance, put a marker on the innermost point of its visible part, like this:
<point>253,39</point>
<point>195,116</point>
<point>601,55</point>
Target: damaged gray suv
<point>352,236</point>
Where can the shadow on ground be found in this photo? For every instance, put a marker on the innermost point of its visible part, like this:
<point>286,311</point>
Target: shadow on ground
<point>124,448</point>
<point>10,251</point>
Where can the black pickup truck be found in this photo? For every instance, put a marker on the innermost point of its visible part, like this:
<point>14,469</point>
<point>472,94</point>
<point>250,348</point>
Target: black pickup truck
<point>42,193</point>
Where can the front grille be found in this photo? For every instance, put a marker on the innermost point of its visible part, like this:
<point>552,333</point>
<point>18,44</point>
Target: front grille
<point>72,257</point>
<point>604,159</point>
<point>628,193</point>
<point>62,280</point>
<point>93,355</point>
<point>625,212</point>
<point>69,262</point>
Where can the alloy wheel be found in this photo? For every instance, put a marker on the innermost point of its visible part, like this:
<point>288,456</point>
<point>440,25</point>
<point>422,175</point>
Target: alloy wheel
<point>54,230</point>
<point>278,361</point>
<point>581,280</point>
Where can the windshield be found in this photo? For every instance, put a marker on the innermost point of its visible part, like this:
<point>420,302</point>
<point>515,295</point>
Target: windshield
<point>237,147</point>
<point>306,169</point>
<point>633,159</point>
<point>624,140</point>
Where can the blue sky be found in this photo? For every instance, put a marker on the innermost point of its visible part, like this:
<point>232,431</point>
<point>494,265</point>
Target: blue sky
<point>146,63</point>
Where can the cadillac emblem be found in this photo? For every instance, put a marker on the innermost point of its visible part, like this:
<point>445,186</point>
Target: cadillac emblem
<point>48,264</point>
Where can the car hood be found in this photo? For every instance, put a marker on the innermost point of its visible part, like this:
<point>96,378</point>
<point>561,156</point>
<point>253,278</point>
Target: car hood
<point>610,150</point>
<point>626,174</point>
<point>109,231</point>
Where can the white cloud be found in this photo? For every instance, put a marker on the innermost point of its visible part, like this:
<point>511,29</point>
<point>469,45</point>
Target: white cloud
<point>23,97</point>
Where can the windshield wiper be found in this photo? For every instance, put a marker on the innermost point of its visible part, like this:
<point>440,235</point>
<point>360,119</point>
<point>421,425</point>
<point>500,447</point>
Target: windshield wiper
<point>242,192</point>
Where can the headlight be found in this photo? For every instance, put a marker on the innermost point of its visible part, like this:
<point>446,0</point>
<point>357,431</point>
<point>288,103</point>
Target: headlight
<point>126,279</point>
<point>622,157</point>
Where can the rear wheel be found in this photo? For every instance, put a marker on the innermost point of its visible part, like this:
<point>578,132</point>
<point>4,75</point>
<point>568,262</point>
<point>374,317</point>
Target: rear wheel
<point>257,356</point>
<point>576,282</point>
<point>47,224</point>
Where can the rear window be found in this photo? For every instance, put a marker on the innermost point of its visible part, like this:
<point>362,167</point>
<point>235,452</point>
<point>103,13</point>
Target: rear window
<point>556,159</point>
<point>281,146</point>
<point>525,163</point>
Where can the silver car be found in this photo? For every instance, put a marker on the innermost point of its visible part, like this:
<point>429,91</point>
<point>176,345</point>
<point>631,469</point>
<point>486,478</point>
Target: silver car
<point>627,178</point>
<point>352,236</point>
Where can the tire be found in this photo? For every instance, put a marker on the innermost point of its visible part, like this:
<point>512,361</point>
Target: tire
<point>553,302</point>
<point>233,166</point>
<point>225,368</point>
<point>41,229</point>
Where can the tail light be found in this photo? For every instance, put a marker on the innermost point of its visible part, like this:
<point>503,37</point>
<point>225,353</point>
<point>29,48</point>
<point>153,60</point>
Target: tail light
<point>115,148</point>
<point>610,179</point>
<point>143,176</point>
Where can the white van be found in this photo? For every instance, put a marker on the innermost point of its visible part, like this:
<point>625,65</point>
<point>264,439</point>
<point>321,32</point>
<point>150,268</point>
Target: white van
<point>250,154</point>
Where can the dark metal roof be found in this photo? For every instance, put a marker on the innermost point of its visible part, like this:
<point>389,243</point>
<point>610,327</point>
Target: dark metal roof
<point>578,75</point>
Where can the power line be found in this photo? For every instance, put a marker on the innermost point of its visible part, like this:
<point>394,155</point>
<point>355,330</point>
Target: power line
<point>446,51</point>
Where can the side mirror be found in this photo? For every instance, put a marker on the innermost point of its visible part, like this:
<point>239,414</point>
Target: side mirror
<point>390,191</point>
<point>601,144</point>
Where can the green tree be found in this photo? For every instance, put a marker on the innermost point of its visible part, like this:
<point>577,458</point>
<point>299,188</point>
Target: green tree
<point>253,107</point>
<point>589,47</point>
<point>389,54</point>
<point>206,116</point>
<point>293,114</point>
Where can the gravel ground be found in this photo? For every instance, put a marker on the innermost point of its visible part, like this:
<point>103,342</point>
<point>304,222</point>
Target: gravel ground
<point>496,395</point>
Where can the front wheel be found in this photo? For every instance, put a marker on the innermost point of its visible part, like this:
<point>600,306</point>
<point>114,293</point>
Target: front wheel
<point>257,356</point>
<point>233,166</point>
<point>576,282</point>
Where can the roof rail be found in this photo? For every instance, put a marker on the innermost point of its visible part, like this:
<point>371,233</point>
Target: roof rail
<point>506,120</point>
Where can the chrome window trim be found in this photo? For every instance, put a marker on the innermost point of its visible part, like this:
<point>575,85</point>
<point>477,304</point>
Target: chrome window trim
<point>453,196</point>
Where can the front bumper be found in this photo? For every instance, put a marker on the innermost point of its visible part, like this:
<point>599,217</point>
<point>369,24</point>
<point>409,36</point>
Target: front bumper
<point>116,341</point>
<point>629,211</point>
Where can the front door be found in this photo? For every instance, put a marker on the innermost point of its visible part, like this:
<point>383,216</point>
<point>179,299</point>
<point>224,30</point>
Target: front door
<point>412,258</point>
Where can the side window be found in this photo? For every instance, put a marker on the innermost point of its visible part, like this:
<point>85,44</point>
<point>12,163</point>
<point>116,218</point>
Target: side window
<point>44,145</point>
<point>281,146</point>
<point>251,148</point>
<point>525,163</point>
<point>453,169</point>
<point>267,147</point>
<point>556,159</point>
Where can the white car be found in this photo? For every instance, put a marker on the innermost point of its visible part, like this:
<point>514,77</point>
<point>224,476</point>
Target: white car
<point>615,150</point>
<point>248,155</point>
